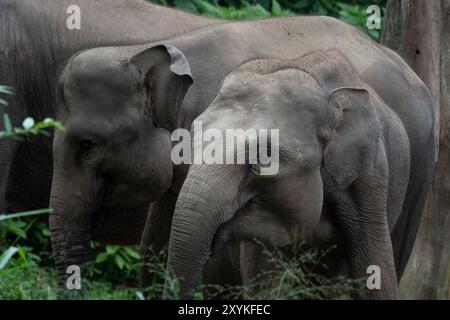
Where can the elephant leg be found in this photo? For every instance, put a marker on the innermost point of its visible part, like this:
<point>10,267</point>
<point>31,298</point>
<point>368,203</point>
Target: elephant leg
<point>156,234</point>
<point>221,274</point>
<point>250,258</point>
<point>362,218</point>
<point>8,148</point>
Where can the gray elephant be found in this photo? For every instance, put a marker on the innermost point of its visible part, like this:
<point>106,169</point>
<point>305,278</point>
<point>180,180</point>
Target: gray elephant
<point>35,44</point>
<point>345,160</point>
<point>120,105</point>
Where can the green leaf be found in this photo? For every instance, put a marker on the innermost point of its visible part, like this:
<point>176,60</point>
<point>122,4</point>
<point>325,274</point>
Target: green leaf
<point>140,295</point>
<point>319,9</point>
<point>255,11</point>
<point>7,90</point>
<point>24,214</point>
<point>185,5</point>
<point>119,261</point>
<point>278,11</point>
<point>45,232</point>
<point>111,249</point>
<point>18,228</point>
<point>276,8</point>
<point>205,7</point>
<point>7,123</point>
<point>330,5</point>
<point>133,253</point>
<point>101,257</point>
<point>23,255</point>
<point>3,102</point>
<point>6,256</point>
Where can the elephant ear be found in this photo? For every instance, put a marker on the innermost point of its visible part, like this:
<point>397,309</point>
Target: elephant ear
<point>353,148</point>
<point>165,78</point>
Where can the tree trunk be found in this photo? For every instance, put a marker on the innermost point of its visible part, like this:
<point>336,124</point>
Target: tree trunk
<point>419,30</point>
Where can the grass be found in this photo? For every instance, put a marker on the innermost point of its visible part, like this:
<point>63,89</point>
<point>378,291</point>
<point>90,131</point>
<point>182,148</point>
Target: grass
<point>38,283</point>
<point>28,284</point>
<point>293,277</point>
<point>296,273</point>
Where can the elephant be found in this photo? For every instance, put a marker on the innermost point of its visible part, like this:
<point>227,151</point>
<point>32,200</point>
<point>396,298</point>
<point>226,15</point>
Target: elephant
<point>346,161</point>
<point>35,45</point>
<point>120,105</point>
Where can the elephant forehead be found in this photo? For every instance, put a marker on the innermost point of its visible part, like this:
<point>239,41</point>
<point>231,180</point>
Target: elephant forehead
<point>87,70</point>
<point>281,84</point>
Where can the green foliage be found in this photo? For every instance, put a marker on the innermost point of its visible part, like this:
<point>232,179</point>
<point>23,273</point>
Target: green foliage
<point>231,10</point>
<point>296,274</point>
<point>26,238</point>
<point>13,225</point>
<point>24,242</point>
<point>156,268</point>
<point>30,273</point>
<point>38,283</point>
<point>31,283</point>
<point>4,217</point>
<point>21,277</point>
<point>353,12</point>
<point>5,90</point>
<point>27,270</point>
<point>356,15</point>
<point>29,126</point>
<point>115,262</point>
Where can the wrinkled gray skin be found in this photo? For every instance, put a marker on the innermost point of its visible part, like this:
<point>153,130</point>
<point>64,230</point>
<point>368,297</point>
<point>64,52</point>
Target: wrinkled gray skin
<point>104,173</point>
<point>344,171</point>
<point>120,104</point>
<point>35,45</point>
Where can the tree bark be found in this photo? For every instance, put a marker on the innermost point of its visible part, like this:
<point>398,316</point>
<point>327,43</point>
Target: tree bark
<point>419,30</point>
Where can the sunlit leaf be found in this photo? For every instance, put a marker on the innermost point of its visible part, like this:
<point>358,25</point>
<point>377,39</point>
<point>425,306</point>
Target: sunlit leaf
<point>7,123</point>
<point>7,90</point>
<point>24,214</point>
<point>119,261</point>
<point>132,252</point>
<point>6,256</point>
<point>111,249</point>
<point>3,102</point>
<point>101,257</point>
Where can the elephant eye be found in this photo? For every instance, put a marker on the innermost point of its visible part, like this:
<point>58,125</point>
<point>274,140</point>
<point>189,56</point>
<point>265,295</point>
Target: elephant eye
<point>88,151</point>
<point>86,145</point>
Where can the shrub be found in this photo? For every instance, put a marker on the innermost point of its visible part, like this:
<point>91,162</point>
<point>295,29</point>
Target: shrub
<point>353,12</point>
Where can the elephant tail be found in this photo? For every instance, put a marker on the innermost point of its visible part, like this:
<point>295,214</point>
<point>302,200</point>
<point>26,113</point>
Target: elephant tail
<point>423,161</point>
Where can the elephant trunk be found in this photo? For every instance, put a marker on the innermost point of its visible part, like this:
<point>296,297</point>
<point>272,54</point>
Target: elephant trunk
<point>208,198</point>
<point>72,199</point>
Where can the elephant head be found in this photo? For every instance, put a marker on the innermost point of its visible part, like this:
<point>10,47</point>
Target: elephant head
<point>118,107</point>
<point>326,121</point>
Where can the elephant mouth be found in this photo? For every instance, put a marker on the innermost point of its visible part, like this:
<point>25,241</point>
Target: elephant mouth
<point>119,227</point>
<point>117,220</point>
<point>225,234</point>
